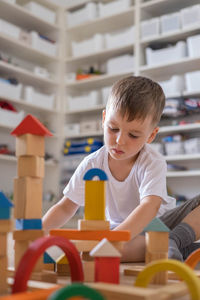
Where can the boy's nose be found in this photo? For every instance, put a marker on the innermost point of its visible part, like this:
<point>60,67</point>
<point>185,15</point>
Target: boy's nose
<point>120,139</point>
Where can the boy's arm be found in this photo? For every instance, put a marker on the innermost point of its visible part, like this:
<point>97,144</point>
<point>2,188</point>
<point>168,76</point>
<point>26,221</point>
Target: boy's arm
<point>141,216</point>
<point>59,214</point>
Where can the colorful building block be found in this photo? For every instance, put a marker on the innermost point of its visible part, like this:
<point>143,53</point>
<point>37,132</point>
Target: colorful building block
<point>5,206</point>
<point>29,144</point>
<point>25,224</point>
<point>93,225</point>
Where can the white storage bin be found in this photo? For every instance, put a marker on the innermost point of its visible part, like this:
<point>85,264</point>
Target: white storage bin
<point>72,129</point>
<point>8,90</point>
<point>87,13</point>
<point>193,44</point>
<point>42,45</point>
<point>10,118</point>
<point>192,146</point>
<point>158,147</point>
<point>113,7</point>
<point>105,94</point>
<point>120,64</point>
<point>174,148</point>
<point>37,98</point>
<point>41,11</point>
<point>43,72</point>
<point>192,80</point>
<point>166,55</point>
<point>119,38</point>
<point>9,29</point>
<point>170,22</point>
<point>173,87</point>
<point>190,16</point>
<point>85,101</point>
<point>94,44</point>
<point>88,126</point>
<point>150,28</point>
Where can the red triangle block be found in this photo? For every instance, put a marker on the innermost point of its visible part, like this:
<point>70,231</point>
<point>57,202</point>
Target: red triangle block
<point>31,125</point>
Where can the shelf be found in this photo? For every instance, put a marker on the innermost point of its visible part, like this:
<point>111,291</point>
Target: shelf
<point>98,81</point>
<point>181,66</point>
<point>25,52</point>
<point>122,20</point>
<point>82,135</point>
<point>76,112</point>
<point>182,157</point>
<point>24,104</point>
<point>190,173</point>
<point>21,17</point>
<point>12,158</point>
<point>161,7</point>
<point>172,36</point>
<point>100,56</point>
<point>178,128</point>
<point>25,76</point>
<point>191,93</point>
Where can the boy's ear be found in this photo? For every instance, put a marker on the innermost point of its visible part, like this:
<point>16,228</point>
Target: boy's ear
<point>103,117</point>
<point>153,135</point>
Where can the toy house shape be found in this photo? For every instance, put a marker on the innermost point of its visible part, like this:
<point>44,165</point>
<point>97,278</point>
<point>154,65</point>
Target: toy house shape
<point>5,206</point>
<point>95,194</point>
<point>62,265</point>
<point>49,262</point>
<point>156,238</point>
<point>30,137</point>
<point>107,261</point>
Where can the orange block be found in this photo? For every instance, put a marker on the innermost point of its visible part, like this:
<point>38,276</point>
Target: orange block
<point>73,234</point>
<point>35,295</point>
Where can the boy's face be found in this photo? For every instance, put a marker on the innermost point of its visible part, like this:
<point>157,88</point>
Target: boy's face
<point>124,139</point>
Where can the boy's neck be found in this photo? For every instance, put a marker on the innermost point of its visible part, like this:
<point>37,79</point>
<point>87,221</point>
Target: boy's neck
<point>120,169</point>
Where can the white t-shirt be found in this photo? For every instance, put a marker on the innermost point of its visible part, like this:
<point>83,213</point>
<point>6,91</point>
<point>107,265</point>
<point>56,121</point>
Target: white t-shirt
<point>147,177</point>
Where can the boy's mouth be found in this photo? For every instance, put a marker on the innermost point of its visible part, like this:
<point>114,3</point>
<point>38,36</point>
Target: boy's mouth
<point>117,151</point>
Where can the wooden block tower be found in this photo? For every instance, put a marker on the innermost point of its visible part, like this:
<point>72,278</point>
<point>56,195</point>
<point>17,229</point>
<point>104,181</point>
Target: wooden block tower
<point>5,227</point>
<point>30,151</point>
<point>157,237</point>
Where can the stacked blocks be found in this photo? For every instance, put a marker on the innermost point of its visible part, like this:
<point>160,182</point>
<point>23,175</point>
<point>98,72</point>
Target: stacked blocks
<point>5,227</point>
<point>30,151</point>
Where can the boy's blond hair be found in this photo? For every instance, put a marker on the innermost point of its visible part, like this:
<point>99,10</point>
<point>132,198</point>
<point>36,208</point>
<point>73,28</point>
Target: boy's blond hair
<point>137,97</point>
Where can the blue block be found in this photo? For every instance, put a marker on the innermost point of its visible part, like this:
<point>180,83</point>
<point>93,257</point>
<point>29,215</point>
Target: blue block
<point>95,172</point>
<point>47,259</point>
<point>23,224</point>
<point>4,213</point>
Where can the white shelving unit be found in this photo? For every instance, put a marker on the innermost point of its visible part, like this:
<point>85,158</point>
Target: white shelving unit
<point>182,182</point>
<point>19,51</point>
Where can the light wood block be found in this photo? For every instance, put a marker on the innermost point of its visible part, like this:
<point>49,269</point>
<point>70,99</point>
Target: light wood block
<point>63,270</point>
<point>28,198</point>
<point>3,244</point>
<point>6,226</point>
<point>95,200</point>
<point>20,248</point>
<point>32,166</point>
<point>157,241</point>
<point>161,277</point>
<point>93,225</point>
<point>85,256</point>
<point>44,276</point>
<point>49,267</point>
<point>3,275</point>
<point>89,271</point>
<point>30,144</point>
<point>30,235</point>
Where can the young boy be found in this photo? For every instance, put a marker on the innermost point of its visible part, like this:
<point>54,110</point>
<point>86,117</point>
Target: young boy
<point>136,189</point>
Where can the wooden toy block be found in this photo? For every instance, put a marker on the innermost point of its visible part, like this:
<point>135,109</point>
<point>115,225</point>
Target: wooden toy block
<point>29,144</point>
<point>5,206</point>
<point>47,259</point>
<point>85,256</point>
<point>26,224</point>
<point>32,166</point>
<point>73,234</point>
<point>6,226</point>
<point>41,294</point>
<point>157,241</point>
<point>85,245</point>
<point>62,270</point>
<point>89,271</point>
<point>32,125</point>
<point>24,235</point>
<point>95,200</point>
<point>49,267</point>
<point>39,265</point>
<point>3,244</point>
<point>156,225</point>
<point>28,198</point>
<point>3,275</point>
<point>20,248</point>
<point>62,260</point>
<point>93,225</point>
<point>90,174</point>
<point>44,276</point>
<point>162,277</point>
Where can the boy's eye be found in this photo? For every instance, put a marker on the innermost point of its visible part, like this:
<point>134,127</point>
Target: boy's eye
<point>113,129</point>
<point>133,136</point>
